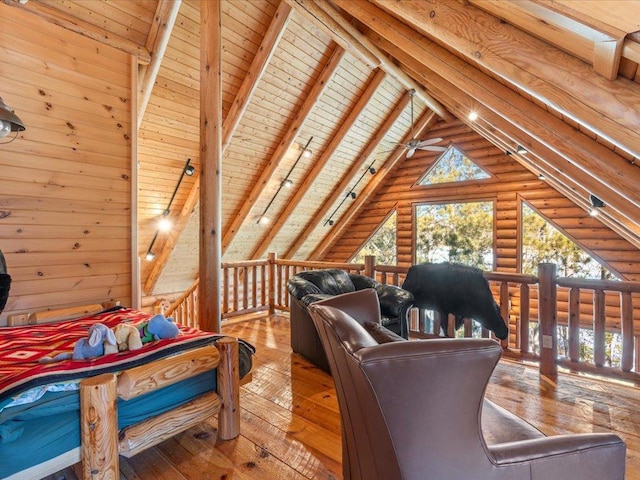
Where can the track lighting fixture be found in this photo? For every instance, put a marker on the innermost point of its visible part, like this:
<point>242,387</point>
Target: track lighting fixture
<point>164,225</point>
<point>286,183</point>
<point>351,193</point>
<point>9,122</point>
<point>473,116</point>
<point>521,150</point>
<point>596,204</point>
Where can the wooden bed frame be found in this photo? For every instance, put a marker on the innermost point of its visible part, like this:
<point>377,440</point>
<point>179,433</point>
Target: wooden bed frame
<point>101,443</point>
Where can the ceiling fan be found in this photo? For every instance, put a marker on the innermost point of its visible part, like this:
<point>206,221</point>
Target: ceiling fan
<point>415,144</point>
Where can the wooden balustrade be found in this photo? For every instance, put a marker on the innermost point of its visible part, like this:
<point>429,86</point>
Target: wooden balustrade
<point>536,308</point>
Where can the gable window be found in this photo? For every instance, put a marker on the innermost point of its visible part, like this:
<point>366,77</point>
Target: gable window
<point>382,244</point>
<point>455,232</point>
<point>453,166</point>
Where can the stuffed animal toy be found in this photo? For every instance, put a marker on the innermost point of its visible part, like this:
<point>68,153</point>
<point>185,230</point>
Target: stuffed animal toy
<point>98,337</point>
<point>158,327</point>
<point>127,337</point>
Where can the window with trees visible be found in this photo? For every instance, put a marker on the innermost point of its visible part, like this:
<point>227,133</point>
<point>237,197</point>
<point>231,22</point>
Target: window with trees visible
<point>455,232</point>
<point>382,244</point>
<point>542,242</point>
<point>453,166</point>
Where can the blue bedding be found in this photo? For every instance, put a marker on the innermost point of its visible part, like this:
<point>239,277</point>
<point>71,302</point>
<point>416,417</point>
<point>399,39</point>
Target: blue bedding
<point>33,433</point>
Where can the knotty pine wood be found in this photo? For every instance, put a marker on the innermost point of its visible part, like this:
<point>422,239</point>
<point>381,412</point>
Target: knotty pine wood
<point>290,426</point>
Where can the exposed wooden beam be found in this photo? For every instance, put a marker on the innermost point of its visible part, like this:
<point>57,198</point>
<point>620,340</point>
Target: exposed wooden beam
<point>329,19</point>
<point>64,20</point>
<point>302,113</point>
<point>343,186</point>
<point>210,277</point>
<point>258,66</point>
<point>317,167</point>
<point>566,84</point>
<point>157,41</point>
<point>615,174</point>
<point>422,126</point>
<point>543,158</point>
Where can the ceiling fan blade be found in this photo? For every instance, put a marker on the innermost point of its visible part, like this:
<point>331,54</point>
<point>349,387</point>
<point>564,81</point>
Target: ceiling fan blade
<point>410,152</point>
<point>432,148</point>
<point>428,141</point>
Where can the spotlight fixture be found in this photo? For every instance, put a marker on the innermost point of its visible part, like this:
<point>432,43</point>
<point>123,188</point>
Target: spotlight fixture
<point>286,183</point>
<point>330,222</point>
<point>542,176</point>
<point>372,170</point>
<point>164,225</point>
<point>521,150</point>
<point>9,122</point>
<point>353,195</point>
<point>473,116</point>
<point>596,204</point>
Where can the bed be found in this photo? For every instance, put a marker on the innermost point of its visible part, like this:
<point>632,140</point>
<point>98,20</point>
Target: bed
<point>55,411</point>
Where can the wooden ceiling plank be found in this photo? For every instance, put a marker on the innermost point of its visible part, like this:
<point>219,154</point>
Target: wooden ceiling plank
<point>302,113</point>
<point>157,41</point>
<point>327,17</point>
<point>422,126</point>
<point>319,165</point>
<point>65,20</point>
<point>347,178</point>
<point>564,83</point>
<point>593,159</point>
<point>255,72</point>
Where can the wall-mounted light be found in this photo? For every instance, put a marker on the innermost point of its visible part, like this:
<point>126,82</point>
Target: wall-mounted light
<point>596,204</point>
<point>164,225</point>
<point>350,194</point>
<point>9,122</point>
<point>286,183</point>
<point>521,150</point>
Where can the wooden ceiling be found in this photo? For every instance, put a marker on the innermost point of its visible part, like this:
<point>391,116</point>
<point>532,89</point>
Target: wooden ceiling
<point>559,77</point>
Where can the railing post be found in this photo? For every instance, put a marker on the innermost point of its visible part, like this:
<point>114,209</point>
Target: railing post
<point>370,266</point>
<point>271,282</point>
<point>547,317</point>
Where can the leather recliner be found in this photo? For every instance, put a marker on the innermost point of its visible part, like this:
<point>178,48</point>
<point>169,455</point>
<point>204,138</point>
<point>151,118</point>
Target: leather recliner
<point>314,285</point>
<point>412,410</point>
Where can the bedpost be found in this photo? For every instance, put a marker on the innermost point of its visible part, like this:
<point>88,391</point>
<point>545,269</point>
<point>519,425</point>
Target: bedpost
<point>99,428</point>
<point>228,389</point>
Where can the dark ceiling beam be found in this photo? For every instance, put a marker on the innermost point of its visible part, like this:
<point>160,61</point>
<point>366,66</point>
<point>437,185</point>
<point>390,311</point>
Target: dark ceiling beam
<point>318,166</point>
<point>566,84</point>
<point>422,126</point>
<point>343,186</point>
<point>241,215</point>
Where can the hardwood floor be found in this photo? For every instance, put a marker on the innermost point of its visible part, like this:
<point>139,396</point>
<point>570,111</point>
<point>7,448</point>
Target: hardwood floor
<point>290,426</point>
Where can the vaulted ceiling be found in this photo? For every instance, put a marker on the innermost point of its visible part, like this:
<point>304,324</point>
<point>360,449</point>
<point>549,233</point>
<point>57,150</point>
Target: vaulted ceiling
<point>559,77</point>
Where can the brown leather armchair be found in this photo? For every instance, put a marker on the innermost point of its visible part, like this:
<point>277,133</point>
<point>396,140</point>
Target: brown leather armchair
<point>416,410</point>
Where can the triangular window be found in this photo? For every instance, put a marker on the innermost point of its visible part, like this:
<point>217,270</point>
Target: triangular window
<point>382,244</point>
<point>453,166</point>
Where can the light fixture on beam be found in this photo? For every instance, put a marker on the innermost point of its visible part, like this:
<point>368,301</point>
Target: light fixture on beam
<point>521,150</point>
<point>164,225</point>
<point>351,193</point>
<point>596,205</point>
<point>473,116</point>
<point>9,122</point>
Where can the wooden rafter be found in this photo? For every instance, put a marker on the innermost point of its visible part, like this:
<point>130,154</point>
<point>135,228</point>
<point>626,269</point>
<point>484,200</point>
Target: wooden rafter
<point>157,41</point>
<point>328,152</point>
<point>589,158</point>
<point>65,20</point>
<point>245,92</point>
<point>610,109</point>
<point>422,126</point>
<point>348,177</point>
<point>310,101</point>
<point>329,19</point>
<point>461,95</point>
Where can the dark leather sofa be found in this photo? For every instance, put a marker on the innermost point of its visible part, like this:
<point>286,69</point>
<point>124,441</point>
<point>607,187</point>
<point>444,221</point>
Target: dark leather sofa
<point>311,286</point>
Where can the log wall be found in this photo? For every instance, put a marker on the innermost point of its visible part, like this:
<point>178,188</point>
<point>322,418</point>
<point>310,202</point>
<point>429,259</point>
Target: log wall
<point>511,184</point>
<point>66,201</point>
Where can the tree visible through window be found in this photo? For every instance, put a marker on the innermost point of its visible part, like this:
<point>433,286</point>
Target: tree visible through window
<point>382,244</point>
<point>455,232</point>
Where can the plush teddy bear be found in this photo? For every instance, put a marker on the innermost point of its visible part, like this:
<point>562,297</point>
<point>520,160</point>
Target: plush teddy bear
<point>127,337</point>
<point>98,337</point>
<point>158,327</point>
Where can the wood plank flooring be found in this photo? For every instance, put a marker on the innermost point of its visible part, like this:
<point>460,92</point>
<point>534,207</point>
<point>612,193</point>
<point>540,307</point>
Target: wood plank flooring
<point>290,427</point>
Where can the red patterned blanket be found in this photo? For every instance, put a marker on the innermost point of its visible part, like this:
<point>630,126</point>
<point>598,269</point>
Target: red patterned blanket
<point>23,348</point>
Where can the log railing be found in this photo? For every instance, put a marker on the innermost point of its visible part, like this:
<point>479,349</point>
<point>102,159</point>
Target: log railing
<point>547,315</point>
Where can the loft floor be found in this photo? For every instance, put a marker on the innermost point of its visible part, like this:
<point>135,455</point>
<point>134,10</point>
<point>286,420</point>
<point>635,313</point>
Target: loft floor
<point>290,427</point>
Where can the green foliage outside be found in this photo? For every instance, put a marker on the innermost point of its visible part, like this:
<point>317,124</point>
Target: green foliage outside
<point>455,232</point>
<point>382,244</point>
<point>453,166</point>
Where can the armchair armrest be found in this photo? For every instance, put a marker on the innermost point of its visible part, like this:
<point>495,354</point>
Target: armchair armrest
<point>585,456</point>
